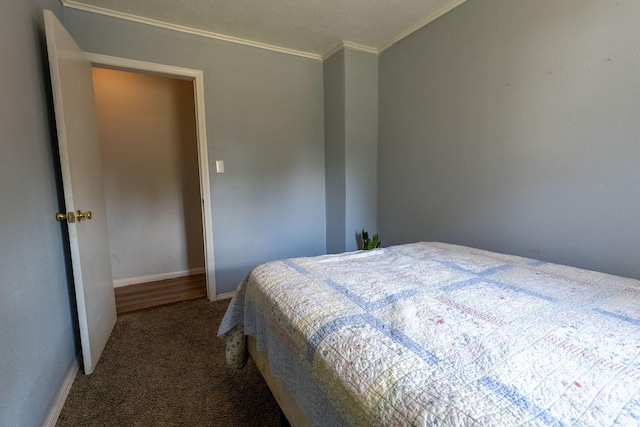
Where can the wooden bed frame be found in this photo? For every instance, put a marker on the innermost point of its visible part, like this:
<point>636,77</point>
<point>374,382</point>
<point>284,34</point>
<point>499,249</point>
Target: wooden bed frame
<point>278,388</point>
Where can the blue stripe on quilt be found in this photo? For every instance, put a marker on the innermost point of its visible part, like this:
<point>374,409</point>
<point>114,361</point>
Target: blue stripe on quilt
<point>618,316</point>
<point>374,305</point>
<point>454,266</point>
<point>494,270</point>
<point>296,267</point>
<point>460,285</point>
<point>488,272</point>
<point>483,277</point>
<point>523,291</point>
<point>512,395</point>
<point>394,334</point>
<point>353,297</point>
<point>403,339</point>
<point>328,328</point>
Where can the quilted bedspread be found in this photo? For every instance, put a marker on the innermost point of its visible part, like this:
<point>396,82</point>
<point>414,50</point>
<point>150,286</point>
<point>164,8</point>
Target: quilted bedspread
<point>438,334</point>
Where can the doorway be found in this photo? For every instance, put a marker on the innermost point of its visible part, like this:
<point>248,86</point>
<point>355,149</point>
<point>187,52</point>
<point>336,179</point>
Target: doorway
<point>151,123</point>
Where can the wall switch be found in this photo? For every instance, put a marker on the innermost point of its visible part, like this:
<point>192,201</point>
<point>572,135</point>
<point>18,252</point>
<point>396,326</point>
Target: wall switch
<point>219,166</point>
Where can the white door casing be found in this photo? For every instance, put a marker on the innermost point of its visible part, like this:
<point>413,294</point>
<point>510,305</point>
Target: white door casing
<point>197,77</point>
<point>83,189</point>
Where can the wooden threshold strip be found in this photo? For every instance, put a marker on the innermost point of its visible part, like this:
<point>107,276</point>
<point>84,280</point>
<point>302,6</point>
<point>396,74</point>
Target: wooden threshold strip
<point>153,294</point>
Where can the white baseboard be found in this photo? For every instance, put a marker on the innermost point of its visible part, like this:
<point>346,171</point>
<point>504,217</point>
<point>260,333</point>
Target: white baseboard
<point>227,295</point>
<point>54,413</point>
<point>155,277</point>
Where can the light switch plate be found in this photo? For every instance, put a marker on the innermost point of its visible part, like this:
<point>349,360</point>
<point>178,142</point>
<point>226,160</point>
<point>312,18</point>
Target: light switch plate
<point>219,166</point>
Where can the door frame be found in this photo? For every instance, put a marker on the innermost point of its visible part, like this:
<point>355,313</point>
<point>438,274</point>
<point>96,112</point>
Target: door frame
<point>197,77</point>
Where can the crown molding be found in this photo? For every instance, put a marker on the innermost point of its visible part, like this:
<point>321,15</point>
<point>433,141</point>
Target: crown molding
<point>420,24</point>
<point>72,4</point>
<point>349,45</point>
<point>126,16</point>
<point>360,47</point>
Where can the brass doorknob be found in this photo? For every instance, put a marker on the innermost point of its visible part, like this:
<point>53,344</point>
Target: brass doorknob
<point>83,215</point>
<point>69,217</point>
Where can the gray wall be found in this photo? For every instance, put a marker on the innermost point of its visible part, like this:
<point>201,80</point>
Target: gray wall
<point>361,124</point>
<point>351,138</point>
<point>334,150</point>
<point>513,126</point>
<point>37,319</point>
<point>264,119</point>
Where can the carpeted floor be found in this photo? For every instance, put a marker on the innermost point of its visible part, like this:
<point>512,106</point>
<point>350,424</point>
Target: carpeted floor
<point>166,367</point>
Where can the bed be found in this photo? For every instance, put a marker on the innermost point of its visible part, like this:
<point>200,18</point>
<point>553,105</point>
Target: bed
<point>439,334</point>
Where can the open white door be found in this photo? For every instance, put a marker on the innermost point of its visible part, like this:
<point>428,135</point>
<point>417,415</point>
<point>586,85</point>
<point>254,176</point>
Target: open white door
<point>83,190</point>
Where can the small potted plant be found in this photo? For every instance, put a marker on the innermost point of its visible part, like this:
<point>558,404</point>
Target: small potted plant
<point>368,244</point>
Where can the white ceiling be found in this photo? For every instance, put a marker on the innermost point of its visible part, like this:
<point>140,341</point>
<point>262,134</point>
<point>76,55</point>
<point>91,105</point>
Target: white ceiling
<point>312,28</point>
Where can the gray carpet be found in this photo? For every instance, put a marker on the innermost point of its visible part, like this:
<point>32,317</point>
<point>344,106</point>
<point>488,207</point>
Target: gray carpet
<point>165,367</point>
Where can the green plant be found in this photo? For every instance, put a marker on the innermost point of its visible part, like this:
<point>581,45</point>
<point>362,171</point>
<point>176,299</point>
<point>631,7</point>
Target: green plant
<point>368,244</point>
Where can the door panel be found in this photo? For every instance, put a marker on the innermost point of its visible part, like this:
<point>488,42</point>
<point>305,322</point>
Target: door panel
<point>83,190</point>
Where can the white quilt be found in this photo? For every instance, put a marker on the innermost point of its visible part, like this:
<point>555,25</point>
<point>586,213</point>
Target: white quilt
<point>437,334</point>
